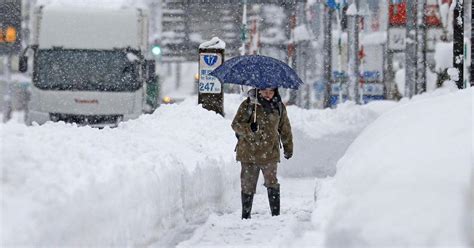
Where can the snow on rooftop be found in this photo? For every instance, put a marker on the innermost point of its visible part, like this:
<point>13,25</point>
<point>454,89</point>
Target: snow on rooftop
<point>215,43</point>
<point>89,27</point>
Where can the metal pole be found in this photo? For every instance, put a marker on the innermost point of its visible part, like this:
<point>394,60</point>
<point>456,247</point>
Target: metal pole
<point>353,40</point>
<point>301,50</point>
<point>26,23</point>
<point>178,75</point>
<point>410,50</point>
<point>421,47</point>
<point>243,30</point>
<point>471,74</point>
<point>243,38</point>
<point>187,23</point>
<point>339,53</point>
<point>7,97</point>
<point>389,75</point>
<point>153,7</point>
<point>292,51</point>
<point>327,53</point>
<point>318,70</point>
<point>458,43</point>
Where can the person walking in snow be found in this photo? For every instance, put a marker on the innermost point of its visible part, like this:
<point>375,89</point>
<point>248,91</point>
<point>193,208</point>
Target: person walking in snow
<point>260,124</point>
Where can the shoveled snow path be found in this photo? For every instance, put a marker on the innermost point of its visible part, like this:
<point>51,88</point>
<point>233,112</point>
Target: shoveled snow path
<point>262,230</point>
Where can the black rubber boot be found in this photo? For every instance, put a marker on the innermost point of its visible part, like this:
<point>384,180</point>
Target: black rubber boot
<point>274,200</point>
<point>247,200</point>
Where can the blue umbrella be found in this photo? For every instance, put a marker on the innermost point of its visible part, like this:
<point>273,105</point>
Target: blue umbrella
<point>257,71</point>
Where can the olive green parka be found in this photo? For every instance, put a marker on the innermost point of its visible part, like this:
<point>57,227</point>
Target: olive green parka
<point>262,146</point>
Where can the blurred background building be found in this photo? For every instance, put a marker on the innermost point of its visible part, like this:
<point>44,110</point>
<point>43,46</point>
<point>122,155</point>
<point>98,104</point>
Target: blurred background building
<point>312,36</point>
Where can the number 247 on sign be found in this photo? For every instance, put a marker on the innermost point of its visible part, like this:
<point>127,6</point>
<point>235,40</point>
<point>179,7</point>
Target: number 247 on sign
<point>206,86</point>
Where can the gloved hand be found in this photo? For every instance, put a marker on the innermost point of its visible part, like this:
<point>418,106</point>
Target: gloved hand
<point>254,127</point>
<point>288,155</point>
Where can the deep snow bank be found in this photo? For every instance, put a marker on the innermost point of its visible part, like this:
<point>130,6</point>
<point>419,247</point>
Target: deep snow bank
<point>64,185</point>
<point>145,181</point>
<point>322,136</point>
<point>405,181</point>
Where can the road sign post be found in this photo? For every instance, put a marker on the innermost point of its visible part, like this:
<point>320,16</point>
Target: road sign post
<point>210,90</point>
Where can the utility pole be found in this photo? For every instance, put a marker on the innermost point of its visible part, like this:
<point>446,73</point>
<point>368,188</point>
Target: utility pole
<point>154,7</point>
<point>471,77</point>
<point>410,50</point>
<point>458,43</point>
<point>187,41</point>
<point>327,52</point>
<point>339,79</point>
<point>292,48</point>
<point>243,28</point>
<point>7,98</point>
<point>421,47</point>
<point>302,49</point>
<point>353,42</point>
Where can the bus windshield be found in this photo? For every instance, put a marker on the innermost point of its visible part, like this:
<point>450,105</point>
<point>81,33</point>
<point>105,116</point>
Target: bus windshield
<point>85,70</point>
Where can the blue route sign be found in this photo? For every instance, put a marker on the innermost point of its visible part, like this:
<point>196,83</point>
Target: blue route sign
<point>333,4</point>
<point>210,59</point>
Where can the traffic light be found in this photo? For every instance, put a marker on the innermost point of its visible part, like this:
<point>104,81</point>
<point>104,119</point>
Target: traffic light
<point>10,35</point>
<point>156,50</point>
<point>10,27</point>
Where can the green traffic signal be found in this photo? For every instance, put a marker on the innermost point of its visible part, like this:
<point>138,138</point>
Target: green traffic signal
<point>156,50</point>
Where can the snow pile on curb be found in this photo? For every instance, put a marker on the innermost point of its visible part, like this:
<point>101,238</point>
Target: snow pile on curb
<point>147,181</point>
<point>322,136</point>
<point>63,185</point>
<point>405,181</point>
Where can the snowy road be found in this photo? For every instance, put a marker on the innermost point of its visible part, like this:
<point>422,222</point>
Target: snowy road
<point>155,184</point>
<point>148,183</point>
<point>263,230</point>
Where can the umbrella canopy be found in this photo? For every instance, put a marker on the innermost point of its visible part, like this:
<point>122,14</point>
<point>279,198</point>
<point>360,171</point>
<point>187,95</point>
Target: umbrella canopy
<point>257,71</point>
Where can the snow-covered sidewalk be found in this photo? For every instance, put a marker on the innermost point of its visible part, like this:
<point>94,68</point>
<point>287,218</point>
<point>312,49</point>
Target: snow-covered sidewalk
<point>151,180</point>
<point>382,195</point>
<point>263,230</point>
